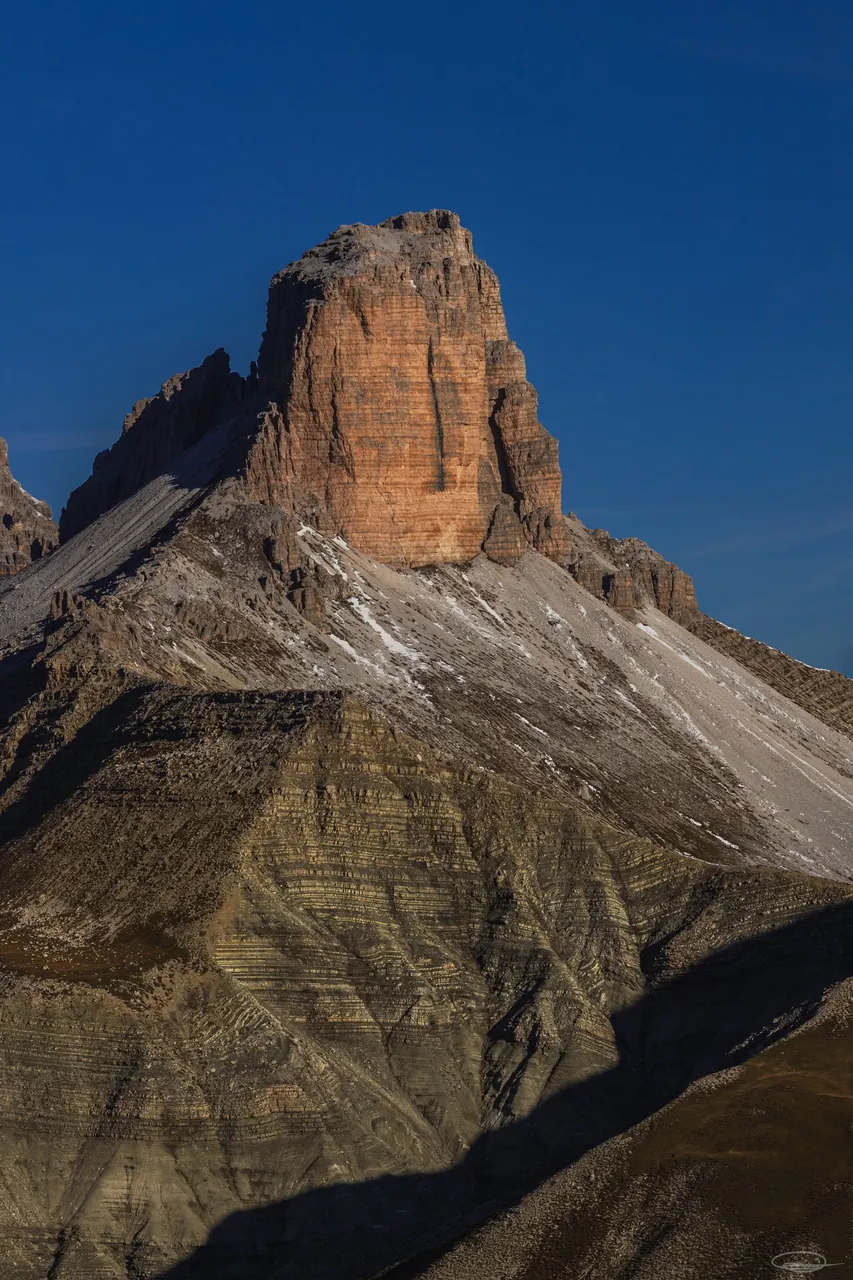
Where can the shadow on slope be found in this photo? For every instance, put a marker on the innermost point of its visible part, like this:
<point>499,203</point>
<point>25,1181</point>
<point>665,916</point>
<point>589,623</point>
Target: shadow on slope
<point>716,1014</point>
<point>216,456</point>
<point>155,435</point>
<point>68,770</point>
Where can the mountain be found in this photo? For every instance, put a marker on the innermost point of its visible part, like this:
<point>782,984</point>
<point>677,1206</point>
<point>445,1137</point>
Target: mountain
<point>27,529</point>
<point>385,852</point>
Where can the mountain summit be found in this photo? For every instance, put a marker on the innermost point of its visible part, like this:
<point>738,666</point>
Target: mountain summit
<point>396,409</point>
<point>384,851</point>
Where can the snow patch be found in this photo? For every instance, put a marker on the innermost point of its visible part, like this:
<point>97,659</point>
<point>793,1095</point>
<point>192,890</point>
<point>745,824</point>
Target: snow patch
<point>391,643</point>
<point>346,646</point>
<point>524,720</point>
<point>643,626</point>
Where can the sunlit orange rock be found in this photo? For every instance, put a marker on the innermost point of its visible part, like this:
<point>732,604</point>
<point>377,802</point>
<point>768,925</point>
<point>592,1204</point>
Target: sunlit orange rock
<point>405,420</point>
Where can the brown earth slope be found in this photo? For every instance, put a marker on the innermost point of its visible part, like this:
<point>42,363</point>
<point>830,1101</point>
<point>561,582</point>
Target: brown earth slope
<point>750,1165</point>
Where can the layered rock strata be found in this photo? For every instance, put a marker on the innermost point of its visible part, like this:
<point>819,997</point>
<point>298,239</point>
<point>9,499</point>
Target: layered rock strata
<point>27,529</point>
<point>406,411</point>
<point>828,695</point>
<point>389,405</point>
<point>300,966</point>
<point>343,904</point>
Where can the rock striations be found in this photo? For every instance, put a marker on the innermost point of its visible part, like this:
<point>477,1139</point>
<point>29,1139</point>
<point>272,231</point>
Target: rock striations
<point>405,409</point>
<point>28,531</point>
<point>384,852</point>
<point>394,410</point>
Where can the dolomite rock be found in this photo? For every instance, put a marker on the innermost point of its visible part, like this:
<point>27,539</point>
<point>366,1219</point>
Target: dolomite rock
<point>405,412</point>
<point>628,574</point>
<point>155,433</point>
<point>342,903</point>
<point>389,406</point>
<point>27,529</point>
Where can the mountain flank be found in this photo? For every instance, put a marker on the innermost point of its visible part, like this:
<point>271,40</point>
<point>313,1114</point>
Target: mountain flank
<point>396,873</point>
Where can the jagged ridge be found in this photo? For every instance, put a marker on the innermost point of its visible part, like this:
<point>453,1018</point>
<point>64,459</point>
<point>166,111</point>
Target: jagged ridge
<point>389,405</point>
<point>27,530</point>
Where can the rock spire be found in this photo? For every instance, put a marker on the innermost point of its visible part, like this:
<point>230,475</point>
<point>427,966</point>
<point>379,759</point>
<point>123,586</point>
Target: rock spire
<point>388,406</point>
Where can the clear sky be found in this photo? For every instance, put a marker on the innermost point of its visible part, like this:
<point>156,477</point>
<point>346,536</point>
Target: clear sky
<point>665,188</point>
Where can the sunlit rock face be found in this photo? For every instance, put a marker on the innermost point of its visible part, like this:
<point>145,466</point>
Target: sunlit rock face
<point>405,413</point>
<point>388,406</point>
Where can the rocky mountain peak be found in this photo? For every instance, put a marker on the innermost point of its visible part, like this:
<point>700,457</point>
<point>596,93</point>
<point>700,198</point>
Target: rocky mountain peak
<point>346,905</point>
<point>27,529</point>
<point>406,414</point>
<point>389,406</point>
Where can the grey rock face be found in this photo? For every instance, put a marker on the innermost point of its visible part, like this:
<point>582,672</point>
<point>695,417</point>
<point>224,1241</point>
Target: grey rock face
<point>27,530</point>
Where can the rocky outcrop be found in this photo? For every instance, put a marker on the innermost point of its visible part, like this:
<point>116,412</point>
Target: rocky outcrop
<point>27,529</point>
<point>389,406</point>
<point>406,417</point>
<point>155,433</point>
<point>627,573</point>
<point>342,904</point>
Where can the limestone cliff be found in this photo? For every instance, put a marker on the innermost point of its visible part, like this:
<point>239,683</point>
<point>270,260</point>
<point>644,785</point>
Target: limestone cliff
<point>27,531</point>
<point>389,406</point>
<point>405,409</point>
<point>154,435</point>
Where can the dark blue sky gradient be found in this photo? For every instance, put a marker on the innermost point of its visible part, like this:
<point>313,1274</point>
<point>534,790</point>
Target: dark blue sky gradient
<point>664,188</point>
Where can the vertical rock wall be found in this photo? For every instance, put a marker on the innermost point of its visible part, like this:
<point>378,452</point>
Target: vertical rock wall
<point>388,406</point>
<point>405,413</point>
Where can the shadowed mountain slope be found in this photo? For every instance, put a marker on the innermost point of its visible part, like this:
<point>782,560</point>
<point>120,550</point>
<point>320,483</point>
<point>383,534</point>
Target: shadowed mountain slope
<point>27,530</point>
<point>744,1166</point>
<point>749,1159</point>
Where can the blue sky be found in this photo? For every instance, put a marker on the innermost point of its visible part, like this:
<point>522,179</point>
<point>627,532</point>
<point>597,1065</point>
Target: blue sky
<point>665,189</point>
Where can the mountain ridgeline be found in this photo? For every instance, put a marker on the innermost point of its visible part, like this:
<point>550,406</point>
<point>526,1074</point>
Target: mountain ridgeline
<point>400,878</point>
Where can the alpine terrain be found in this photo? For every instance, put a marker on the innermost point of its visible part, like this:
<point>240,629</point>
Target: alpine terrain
<point>400,878</point>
